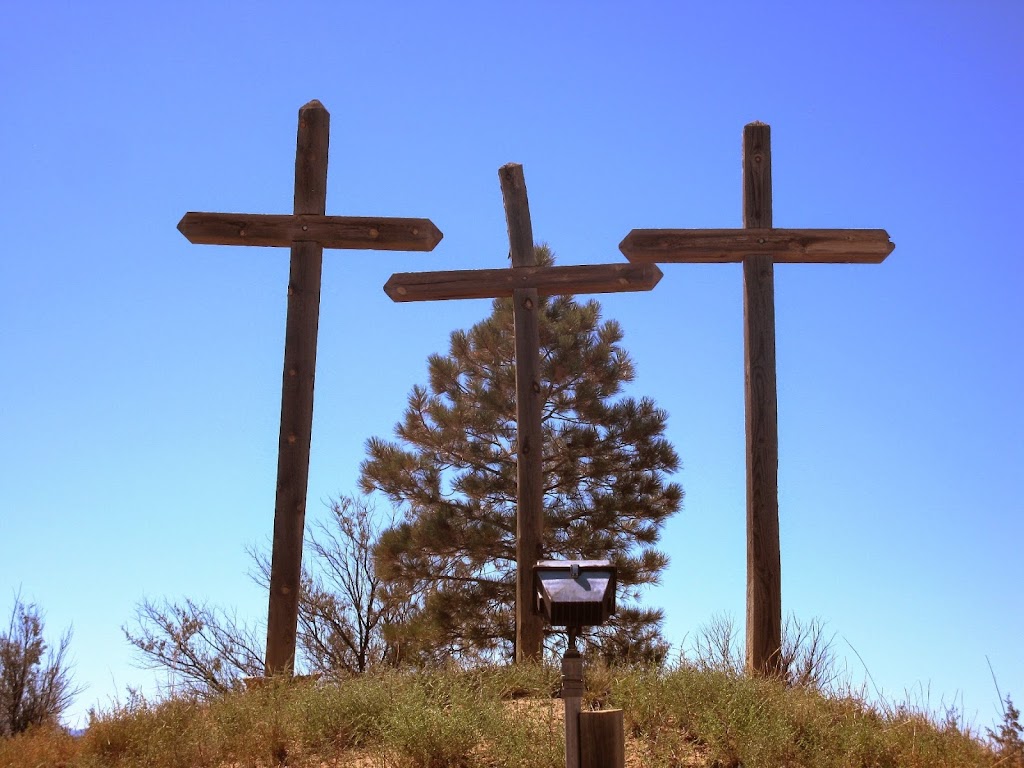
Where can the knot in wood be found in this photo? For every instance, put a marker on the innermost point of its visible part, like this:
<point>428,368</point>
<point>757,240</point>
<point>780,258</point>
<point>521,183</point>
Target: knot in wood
<point>527,303</point>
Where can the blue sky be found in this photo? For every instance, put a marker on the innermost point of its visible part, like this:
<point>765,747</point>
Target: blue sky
<point>140,391</point>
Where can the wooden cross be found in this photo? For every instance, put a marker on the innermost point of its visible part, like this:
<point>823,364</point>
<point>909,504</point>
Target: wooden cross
<point>307,232</point>
<point>525,282</point>
<point>758,246</point>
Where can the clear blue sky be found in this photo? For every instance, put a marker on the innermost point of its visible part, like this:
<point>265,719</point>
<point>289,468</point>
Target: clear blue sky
<point>140,385</point>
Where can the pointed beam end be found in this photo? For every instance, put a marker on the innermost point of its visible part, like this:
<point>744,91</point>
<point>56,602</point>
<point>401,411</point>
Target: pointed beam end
<point>639,277</point>
<point>403,235</point>
<point>853,246</point>
<point>188,226</point>
<point>393,288</point>
<point>892,245</point>
<point>655,275</point>
<point>632,249</point>
<point>432,234</point>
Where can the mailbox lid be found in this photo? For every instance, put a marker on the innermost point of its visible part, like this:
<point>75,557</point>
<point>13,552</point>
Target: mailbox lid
<point>575,593</point>
<point>554,565</point>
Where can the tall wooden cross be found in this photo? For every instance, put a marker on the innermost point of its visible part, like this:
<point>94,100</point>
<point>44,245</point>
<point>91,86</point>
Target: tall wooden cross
<point>525,282</point>
<point>307,231</point>
<point>758,246</point>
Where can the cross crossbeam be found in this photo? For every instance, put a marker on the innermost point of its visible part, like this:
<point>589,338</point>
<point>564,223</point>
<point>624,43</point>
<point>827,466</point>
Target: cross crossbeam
<point>357,232</point>
<point>307,231</point>
<point>758,246</point>
<point>785,246</point>
<point>547,281</point>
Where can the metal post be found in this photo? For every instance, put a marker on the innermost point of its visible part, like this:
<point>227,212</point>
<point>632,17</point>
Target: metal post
<point>572,692</point>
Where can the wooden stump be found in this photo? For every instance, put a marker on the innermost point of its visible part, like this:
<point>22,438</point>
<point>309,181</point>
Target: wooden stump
<point>602,739</point>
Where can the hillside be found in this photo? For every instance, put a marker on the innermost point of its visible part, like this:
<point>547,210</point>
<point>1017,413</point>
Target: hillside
<point>508,716</point>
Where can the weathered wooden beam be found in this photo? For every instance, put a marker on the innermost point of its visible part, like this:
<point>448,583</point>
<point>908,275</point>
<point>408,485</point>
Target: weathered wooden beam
<point>826,246</point>
<point>297,394</point>
<point>764,579</point>
<point>529,408</point>
<point>602,739</point>
<point>547,281</point>
<point>352,232</point>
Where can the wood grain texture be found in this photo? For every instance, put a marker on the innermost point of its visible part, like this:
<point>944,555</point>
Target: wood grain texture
<point>297,393</point>
<point>349,232</point>
<point>517,215</point>
<point>602,739</point>
<point>764,582</point>
<point>785,246</point>
<point>547,281</point>
<point>529,401</point>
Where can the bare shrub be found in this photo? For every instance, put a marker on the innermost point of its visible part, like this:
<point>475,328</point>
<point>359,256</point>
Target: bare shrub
<point>808,657</point>
<point>1008,741</point>
<point>35,684</point>
<point>716,645</point>
<point>206,650</point>
<point>345,609</point>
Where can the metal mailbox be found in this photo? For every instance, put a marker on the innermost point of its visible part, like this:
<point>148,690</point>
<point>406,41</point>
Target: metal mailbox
<point>574,593</point>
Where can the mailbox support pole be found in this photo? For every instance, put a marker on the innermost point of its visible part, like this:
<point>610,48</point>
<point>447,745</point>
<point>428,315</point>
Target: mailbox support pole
<point>572,692</point>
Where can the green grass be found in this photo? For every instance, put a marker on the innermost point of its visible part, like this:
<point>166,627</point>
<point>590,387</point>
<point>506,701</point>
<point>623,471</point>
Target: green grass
<point>497,717</point>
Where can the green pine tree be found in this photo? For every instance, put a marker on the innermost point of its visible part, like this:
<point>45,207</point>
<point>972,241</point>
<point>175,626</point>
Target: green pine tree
<point>452,470</point>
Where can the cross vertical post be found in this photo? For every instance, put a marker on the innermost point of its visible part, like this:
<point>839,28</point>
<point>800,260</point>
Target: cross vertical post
<point>301,329</point>
<point>764,580</point>
<point>529,401</point>
<point>759,246</point>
